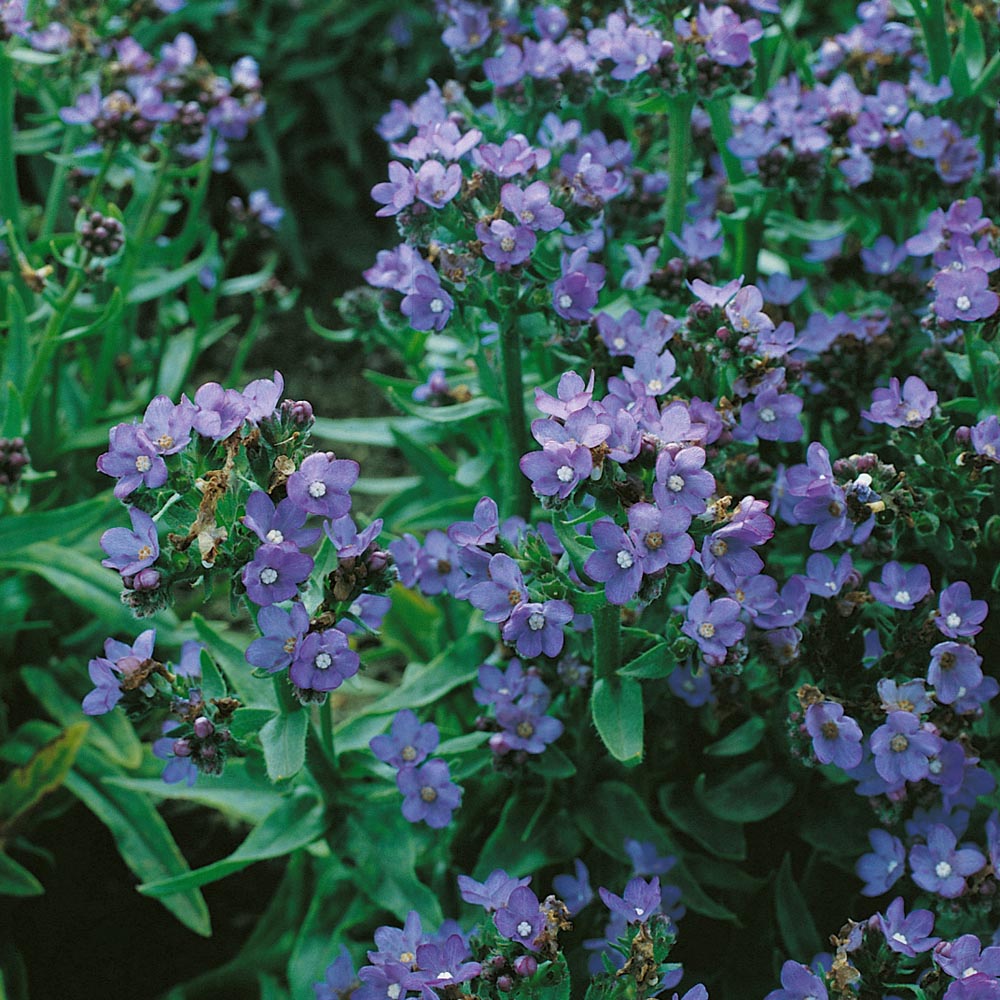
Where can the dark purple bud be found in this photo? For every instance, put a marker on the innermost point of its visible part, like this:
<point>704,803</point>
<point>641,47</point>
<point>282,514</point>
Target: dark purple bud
<point>963,435</point>
<point>499,744</point>
<point>866,462</point>
<point>498,961</point>
<point>299,410</point>
<point>723,333</point>
<point>746,345</point>
<point>378,561</point>
<point>203,728</point>
<point>146,579</point>
<point>209,752</point>
<point>525,965</point>
<point>505,984</point>
<point>182,748</point>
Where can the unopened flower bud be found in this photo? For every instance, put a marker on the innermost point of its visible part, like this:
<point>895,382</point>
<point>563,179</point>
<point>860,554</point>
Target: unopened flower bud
<point>963,435</point>
<point>499,744</point>
<point>182,748</point>
<point>299,411</point>
<point>209,752</point>
<point>525,965</point>
<point>146,579</point>
<point>745,345</point>
<point>203,728</point>
<point>505,984</point>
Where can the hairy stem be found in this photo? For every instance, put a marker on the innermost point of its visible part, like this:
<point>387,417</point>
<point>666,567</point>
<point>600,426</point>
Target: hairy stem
<point>517,494</point>
<point>678,162</point>
<point>607,640</point>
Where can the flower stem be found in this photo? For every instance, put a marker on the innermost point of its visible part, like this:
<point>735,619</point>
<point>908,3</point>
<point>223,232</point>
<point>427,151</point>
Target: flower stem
<point>607,640</point>
<point>49,342</point>
<point>517,494</point>
<point>678,162</point>
<point>979,380</point>
<point>10,199</point>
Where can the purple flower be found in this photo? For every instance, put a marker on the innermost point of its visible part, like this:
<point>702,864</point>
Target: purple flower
<point>167,426</point>
<point>771,416</point>
<point>903,748</point>
<point>907,935</point>
<point>616,563</point>
<point>398,269</point>
<point>494,892</point>
<point>745,312</point>
<point>262,395</point>
<point>575,293</point>
<point>408,742</point>
<point>219,411</point>
<point>515,156</point>
<point>641,266</point>
<point>481,530</point>
<point>323,661</point>
<point>428,306</point>
<point>712,295</point>
<point>504,591</point>
<point>938,867</point>
<point>965,957</point>
<point>429,793</point>
<point>659,536</point>
<point>282,631</point>
<point>275,573</point>
<point>882,869</point>
<point>531,206</point>
<point>504,244</point>
<point>444,965</point>
<point>574,890</point>
<point>908,697</point>
<point>436,184</point>
<point>538,628</point>
<point>836,737</point>
<point>131,551</point>
<point>958,614</point>
<point>639,902</point>
<point>321,484</point>
<point>907,409</point>
<point>557,469</point>
<point>799,983</point>
<point>469,28</point>
<point>955,669</point>
<point>902,589</point>
<point>497,687</point>
<point>701,240</point>
<point>438,566</point>
<point>106,671</point>
<point>823,579</point>
<point>521,919</point>
<point>383,982</point>
<point>179,767</point>
<point>682,481</point>
<point>714,625</point>
<point>339,980</point>
<point>964,295</point>
<point>275,525</point>
<point>525,729</point>
<point>133,460</point>
<point>985,437</point>
<point>395,944</point>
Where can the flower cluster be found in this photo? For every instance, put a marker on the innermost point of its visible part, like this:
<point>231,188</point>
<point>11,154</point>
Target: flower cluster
<point>429,794</point>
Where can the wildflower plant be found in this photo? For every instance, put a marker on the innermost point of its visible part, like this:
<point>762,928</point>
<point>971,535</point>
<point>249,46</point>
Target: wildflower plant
<point>689,594</point>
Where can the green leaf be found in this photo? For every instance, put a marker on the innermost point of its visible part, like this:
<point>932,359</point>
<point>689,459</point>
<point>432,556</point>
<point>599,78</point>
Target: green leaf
<point>112,733</point>
<point>748,795</point>
<point>551,764</point>
<point>530,833</point>
<point>109,315</point>
<point>616,707</point>
<point>973,43</point>
<point>140,834</point>
<point>162,282</point>
<point>615,812</point>
<point>229,656</point>
<point>284,743</point>
<point>28,784</point>
<point>295,823</point>
<point>247,722</point>
<point>373,431</point>
<point>651,665</point>
<point>795,922</point>
<point>16,880</point>
<point>212,684</point>
<point>20,531</point>
<point>741,740</point>
<point>719,836</point>
<point>456,414</point>
<point>578,547</point>
<point>783,224</point>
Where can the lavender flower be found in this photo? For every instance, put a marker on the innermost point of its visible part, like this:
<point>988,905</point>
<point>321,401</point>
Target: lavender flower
<point>910,408</point>
<point>494,893</point>
<point>282,631</point>
<point>321,484</point>
<point>798,983</point>
<point>938,867</point>
<point>574,890</point>
<point>409,743</point>
<point>772,416</point>
<point>639,902</point>
<point>427,305</point>
<point>275,573</point>
<point>907,935</point>
<point>538,628</point>
<point>882,869</point>
<point>616,563</point>
<point>106,672</point>
<point>958,614</point>
<point>131,551</point>
<point>132,459</point>
<point>682,481</point>
<point>902,748</point>
<point>504,244</point>
<point>521,919</point>
<point>275,525</point>
<point>954,670</point>
<point>531,206</point>
<point>713,624</point>
<point>429,794</point>
<point>902,589</point>
<point>323,661</point>
<point>836,737</point>
<point>219,411</point>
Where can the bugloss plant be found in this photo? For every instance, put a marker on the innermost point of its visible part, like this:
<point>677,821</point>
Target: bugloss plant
<point>689,592</point>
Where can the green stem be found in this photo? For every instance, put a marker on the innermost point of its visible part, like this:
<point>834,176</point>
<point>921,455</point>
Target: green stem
<point>326,728</point>
<point>979,379</point>
<point>607,640</point>
<point>10,198</point>
<point>246,343</point>
<point>57,188</point>
<point>678,162</point>
<point>930,14</point>
<point>517,495</point>
<point>50,341</point>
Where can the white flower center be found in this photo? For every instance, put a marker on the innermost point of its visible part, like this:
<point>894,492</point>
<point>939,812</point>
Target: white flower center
<point>641,60</point>
<point>445,975</point>
<point>902,597</point>
<point>891,867</point>
<point>268,575</point>
<point>317,489</point>
<point>935,767</point>
<point>942,869</point>
<point>142,463</point>
<point>675,483</point>
<point>970,971</point>
<point>963,302</point>
<point>436,306</point>
<point>527,215</point>
<point>275,537</point>
<point>536,621</point>
<point>654,385</point>
<point>507,244</point>
<point>624,559</point>
<point>523,928</point>
<point>901,938</point>
<point>706,630</point>
<point>831,586</point>
<point>618,343</point>
<point>145,552</point>
<point>639,911</point>
<point>564,473</point>
<point>912,415</point>
<point>953,620</point>
<point>768,415</point>
<point>393,990</point>
<point>565,301</point>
